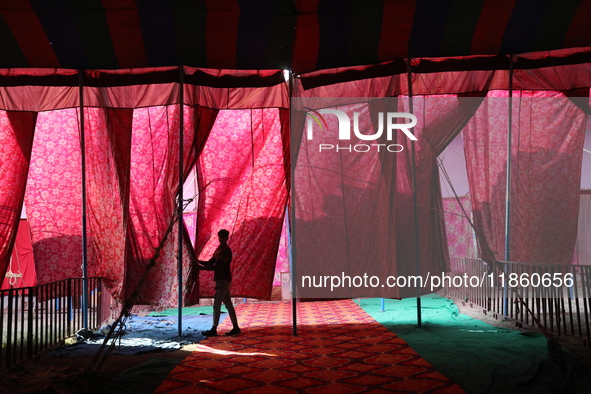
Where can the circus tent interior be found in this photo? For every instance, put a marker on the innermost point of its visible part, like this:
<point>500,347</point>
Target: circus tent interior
<point>115,117</point>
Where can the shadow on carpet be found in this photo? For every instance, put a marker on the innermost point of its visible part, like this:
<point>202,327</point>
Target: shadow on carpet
<point>143,378</point>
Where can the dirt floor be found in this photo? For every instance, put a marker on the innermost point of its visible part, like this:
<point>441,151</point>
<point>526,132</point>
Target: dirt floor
<point>47,374</point>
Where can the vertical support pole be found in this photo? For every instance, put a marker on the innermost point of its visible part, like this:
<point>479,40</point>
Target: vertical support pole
<point>413,175</point>
<point>382,305</point>
<point>180,202</point>
<point>70,308</point>
<point>9,328</point>
<point>30,321</point>
<point>292,231</point>
<point>84,239</point>
<point>508,190</point>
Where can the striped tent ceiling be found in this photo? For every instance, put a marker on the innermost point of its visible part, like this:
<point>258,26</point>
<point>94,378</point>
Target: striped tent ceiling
<point>304,35</point>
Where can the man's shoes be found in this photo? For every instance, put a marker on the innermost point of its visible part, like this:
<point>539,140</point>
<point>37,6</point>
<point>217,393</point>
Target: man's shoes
<point>234,331</point>
<point>210,333</point>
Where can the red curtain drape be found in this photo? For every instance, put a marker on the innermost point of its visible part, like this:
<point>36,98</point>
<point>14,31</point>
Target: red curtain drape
<point>243,189</point>
<point>547,141</point>
<point>16,140</point>
<point>439,120</point>
<point>53,197</point>
<point>108,150</point>
<point>23,263</point>
<point>354,211</point>
<point>345,223</point>
<point>154,186</point>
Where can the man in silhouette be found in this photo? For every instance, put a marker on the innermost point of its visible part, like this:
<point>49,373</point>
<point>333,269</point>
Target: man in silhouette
<point>222,275</point>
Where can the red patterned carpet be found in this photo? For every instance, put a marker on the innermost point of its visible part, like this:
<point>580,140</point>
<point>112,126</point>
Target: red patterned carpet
<point>339,349</point>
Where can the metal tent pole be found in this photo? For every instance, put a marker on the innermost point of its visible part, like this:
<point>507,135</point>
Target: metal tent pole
<point>291,223</point>
<point>508,188</point>
<point>413,175</point>
<point>180,199</point>
<point>83,169</point>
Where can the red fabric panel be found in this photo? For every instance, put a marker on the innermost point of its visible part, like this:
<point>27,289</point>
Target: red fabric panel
<point>16,140</point>
<point>25,96</point>
<point>344,216</point>
<point>565,69</point>
<point>389,86</point>
<point>395,36</point>
<point>53,196</point>
<point>355,210</point>
<point>38,98</point>
<point>137,96</point>
<point>545,176</point>
<point>306,44</point>
<point>30,35</point>
<point>221,42</point>
<point>580,28</point>
<point>108,149</point>
<point>243,189</point>
<point>488,35</point>
<point>423,84</point>
<point>22,259</point>
<point>439,121</point>
<point>248,94</point>
<point>242,98</point>
<point>154,179</point>
<point>126,32</point>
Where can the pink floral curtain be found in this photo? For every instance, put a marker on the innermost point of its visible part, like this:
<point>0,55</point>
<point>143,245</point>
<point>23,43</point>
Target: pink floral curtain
<point>16,140</point>
<point>54,194</point>
<point>243,189</point>
<point>547,141</point>
<point>132,180</point>
<point>53,197</point>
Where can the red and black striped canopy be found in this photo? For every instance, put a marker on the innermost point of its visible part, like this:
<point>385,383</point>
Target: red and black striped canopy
<point>304,35</point>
